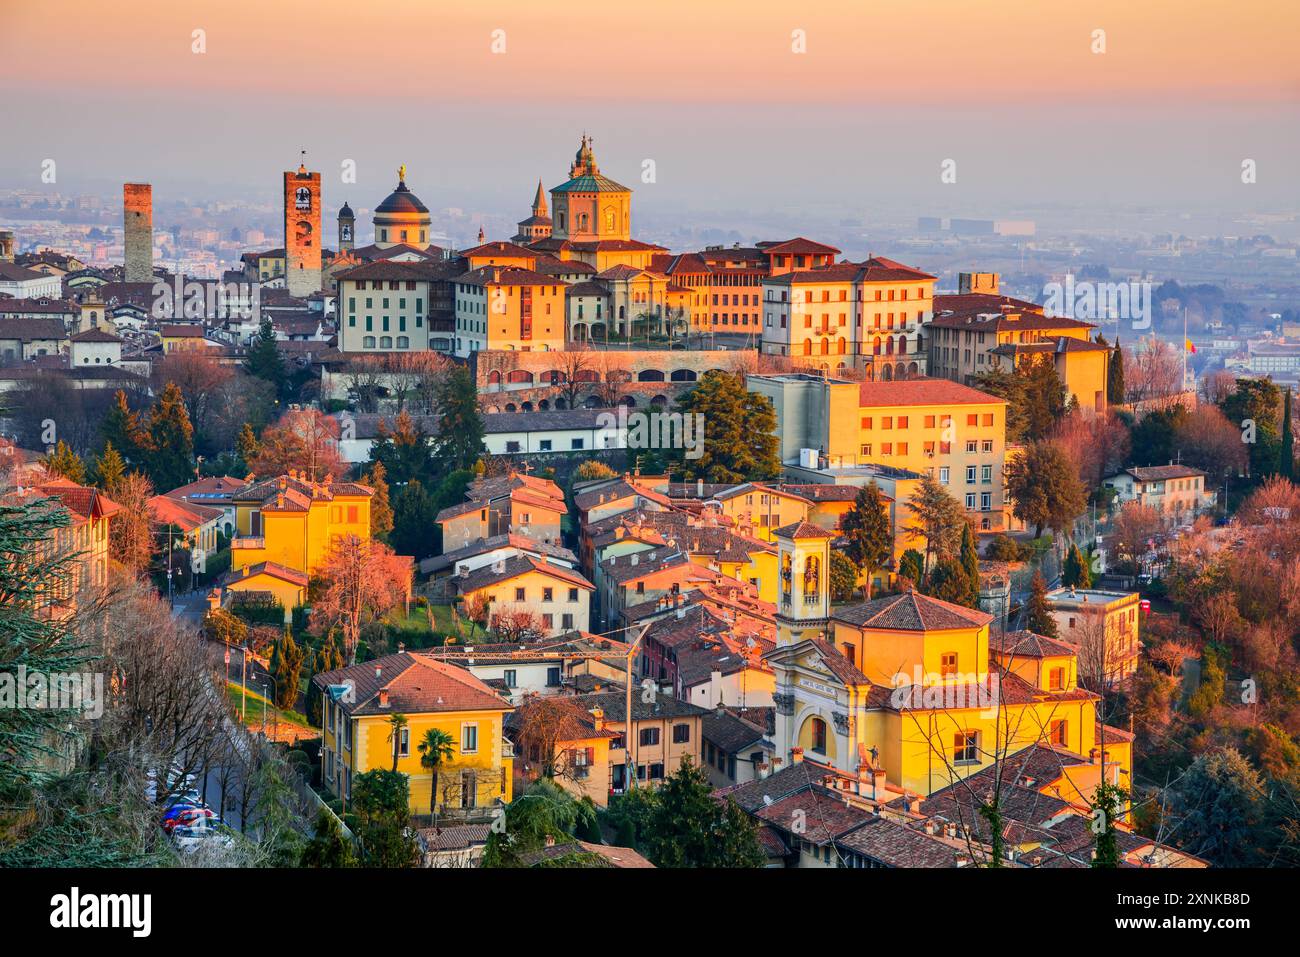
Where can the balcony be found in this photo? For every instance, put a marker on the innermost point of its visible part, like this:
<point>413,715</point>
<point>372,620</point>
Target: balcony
<point>248,541</point>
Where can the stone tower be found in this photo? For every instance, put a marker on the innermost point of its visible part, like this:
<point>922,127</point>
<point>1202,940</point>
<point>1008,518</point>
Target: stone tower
<point>302,260</point>
<point>347,228</point>
<point>6,246</point>
<point>137,223</point>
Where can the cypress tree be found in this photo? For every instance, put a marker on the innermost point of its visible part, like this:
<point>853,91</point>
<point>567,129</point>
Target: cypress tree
<point>871,540</point>
<point>1287,454</point>
<point>121,429</point>
<point>62,462</point>
<point>970,562</point>
<point>264,360</point>
<point>110,469</point>
<point>1115,389</point>
<point>1039,618</point>
<point>170,463</point>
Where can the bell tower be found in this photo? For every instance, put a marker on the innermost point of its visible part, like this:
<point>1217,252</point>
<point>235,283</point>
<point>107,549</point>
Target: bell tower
<point>302,233</point>
<point>803,587</point>
<point>347,228</point>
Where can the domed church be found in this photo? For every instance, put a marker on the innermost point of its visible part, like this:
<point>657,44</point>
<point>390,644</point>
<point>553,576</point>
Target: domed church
<point>402,218</point>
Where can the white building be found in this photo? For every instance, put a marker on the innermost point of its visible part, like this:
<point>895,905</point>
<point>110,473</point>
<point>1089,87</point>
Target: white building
<point>562,430</point>
<point>23,283</point>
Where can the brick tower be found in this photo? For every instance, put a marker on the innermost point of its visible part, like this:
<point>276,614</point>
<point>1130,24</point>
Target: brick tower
<point>302,236</point>
<point>137,222</point>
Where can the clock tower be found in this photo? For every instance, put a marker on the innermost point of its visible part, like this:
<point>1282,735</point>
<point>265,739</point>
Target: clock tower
<point>347,229</point>
<point>302,232</point>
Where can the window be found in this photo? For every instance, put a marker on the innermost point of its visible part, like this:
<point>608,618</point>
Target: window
<point>510,678</point>
<point>649,737</point>
<point>553,677</point>
<point>573,594</point>
<point>404,743</point>
<point>1057,732</point>
<point>966,747</point>
<point>944,473</point>
<point>566,622</point>
<point>819,735</point>
<point>681,733</point>
<point>548,594</point>
<point>1056,679</point>
<point>519,594</point>
<point>948,664</point>
<point>469,739</point>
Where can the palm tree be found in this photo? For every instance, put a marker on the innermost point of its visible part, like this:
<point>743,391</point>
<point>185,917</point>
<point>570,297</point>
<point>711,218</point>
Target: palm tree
<point>397,722</point>
<point>437,748</point>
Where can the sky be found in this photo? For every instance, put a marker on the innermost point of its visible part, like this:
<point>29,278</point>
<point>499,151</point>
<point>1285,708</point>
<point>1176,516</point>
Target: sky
<point>479,99</point>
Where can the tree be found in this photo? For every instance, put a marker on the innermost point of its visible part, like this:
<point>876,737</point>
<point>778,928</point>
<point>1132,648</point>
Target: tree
<point>286,667</point>
<point>1154,439</point>
<point>689,828</point>
<point>131,531</point>
<point>737,441</point>
<point>62,462</point>
<point>1255,408</point>
<point>264,361</point>
<point>396,725</point>
<point>1075,573</point>
<point>1217,805</point>
<point>200,378</point>
<point>303,440</point>
<point>170,460</point>
<point>939,518</point>
<point>1038,617</point>
<point>870,537</point>
<point>1115,390</point>
<point>911,567</point>
<point>577,374</point>
<point>970,562</point>
<point>359,582</point>
<point>121,429</point>
<point>327,658</point>
<point>1154,374</point>
<point>844,577</point>
<point>381,801</point>
<point>1035,395</point>
<point>381,512</point>
<point>458,442</point>
<point>1205,439</point>
<point>436,748</point>
<point>110,469</point>
<point>414,512</point>
<point>544,811</point>
<point>591,470</point>
<point>246,445</point>
<point>949,582</point>
<point>327,847</point>
<point>1107,805</point>
<point>1046,488</point>
<point>403,450</point>
<point>1286,463</point>
<point>1135,525</point>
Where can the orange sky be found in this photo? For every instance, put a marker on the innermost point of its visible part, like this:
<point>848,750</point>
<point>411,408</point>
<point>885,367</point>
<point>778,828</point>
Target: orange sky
<point>686,51</point>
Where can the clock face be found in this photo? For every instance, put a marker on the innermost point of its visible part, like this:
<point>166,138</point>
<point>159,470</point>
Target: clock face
<point>302,198</point>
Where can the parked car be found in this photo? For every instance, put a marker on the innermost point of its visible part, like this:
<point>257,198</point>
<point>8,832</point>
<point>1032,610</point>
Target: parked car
<point>189,818</point>
<point>188,838</point>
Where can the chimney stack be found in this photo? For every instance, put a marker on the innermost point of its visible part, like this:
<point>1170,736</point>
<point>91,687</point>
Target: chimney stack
<point>383,697</point>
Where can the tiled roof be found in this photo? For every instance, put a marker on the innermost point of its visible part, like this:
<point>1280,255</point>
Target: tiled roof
<point>911,611</point>
<point>923,391</point>
<point>898,845</point>
<point>274,569</point>
<point>416,684</point>
<point>614,705</point>
<point>1026,644</point>
<point>800,246</point>
<point>503,571</point>
<point>802,530</point>
<point>729,732</point>
<point>815,815</point>
<point>1160,473</point>
<point>28,330</point>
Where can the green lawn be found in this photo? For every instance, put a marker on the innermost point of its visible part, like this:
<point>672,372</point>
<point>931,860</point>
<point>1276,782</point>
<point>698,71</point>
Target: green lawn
<point>445,624</point>
<point>253,717</point>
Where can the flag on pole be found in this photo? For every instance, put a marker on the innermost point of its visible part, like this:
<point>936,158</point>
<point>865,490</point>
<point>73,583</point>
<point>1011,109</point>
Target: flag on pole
<point>1189,346</point>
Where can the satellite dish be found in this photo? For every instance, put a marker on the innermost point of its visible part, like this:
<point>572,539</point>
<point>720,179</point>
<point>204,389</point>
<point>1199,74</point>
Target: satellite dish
<point>767,800</point>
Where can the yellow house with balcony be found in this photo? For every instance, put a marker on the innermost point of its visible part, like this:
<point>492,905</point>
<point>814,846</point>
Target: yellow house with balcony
<point>291,521</point>
<point>358,734</point>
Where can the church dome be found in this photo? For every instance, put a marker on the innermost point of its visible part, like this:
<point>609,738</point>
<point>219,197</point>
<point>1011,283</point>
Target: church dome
<point>401,200</point>
<point>346,212</point>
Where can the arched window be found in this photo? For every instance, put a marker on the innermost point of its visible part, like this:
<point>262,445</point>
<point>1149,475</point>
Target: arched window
<point>875,346</point>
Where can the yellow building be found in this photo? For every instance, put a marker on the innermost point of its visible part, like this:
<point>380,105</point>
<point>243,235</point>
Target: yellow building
<point>292,521</point>
<point>358,735</point>
<point>976,332</point>
<point>918,684</point>
<point>508,307</point>
<point>580,741</point>
<point>508,504</point>
<point>950,431</point>
<point>1102,627</point>
<point>86,536</point>
<point>559,596</point>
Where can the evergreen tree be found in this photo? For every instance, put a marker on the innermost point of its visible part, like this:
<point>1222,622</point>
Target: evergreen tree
<point>948,582</point>
<point>939,518</point>
<point>381,800</point>
<point>1107,805</point>
<point>121,429</point>
<point>403,450</point>
<point>62,462</point>
<point>246,446</point>
<point>1046,488</point>
<point>327,658</point>
<point>286,667</point>
<point>969,557</point>
<point>1286,464</point>
<point>459,439</point>
<point>1076,573</point>
<point>737,441</point>
<point>1039,618</point>
<point>413,520</point>
<point>327,847</point>
<point>870,538</point>
<point>545,810</point>
<point>688,828</point>
<point>264,360</point>
<point>170,462</point>
<point>843,578</point>
<point>1115,388</point>
<point>911,567</point>
<point>110,469</point>
<point>381,512</point>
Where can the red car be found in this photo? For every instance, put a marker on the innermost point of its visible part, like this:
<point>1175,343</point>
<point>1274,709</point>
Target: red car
<point>188,818</point>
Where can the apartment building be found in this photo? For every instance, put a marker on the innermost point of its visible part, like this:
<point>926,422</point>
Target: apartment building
<point>508,307</point>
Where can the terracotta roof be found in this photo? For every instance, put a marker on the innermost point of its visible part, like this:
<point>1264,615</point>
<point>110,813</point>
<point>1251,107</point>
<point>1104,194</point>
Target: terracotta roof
<point>802,530</point>
<point>513,567</point>
<point>816,815</point>
<point>614,704</point>
<point>274,569</point>
<point>416,684</point>
<point>911,611</point>
<point>500,248</point>
<point>923,391</point>
<point>187,517</point>
<point>1026,644</point>
<point>799,245</point>
<point>898,845</point>
<point>28,330</point>
<point>729,732</point>
<point>1160,473</point>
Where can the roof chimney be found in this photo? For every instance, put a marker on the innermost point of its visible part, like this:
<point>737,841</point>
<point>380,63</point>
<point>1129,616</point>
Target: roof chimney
<point>796,755</point>
<point>383,697</point>
<point>598,718</point>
